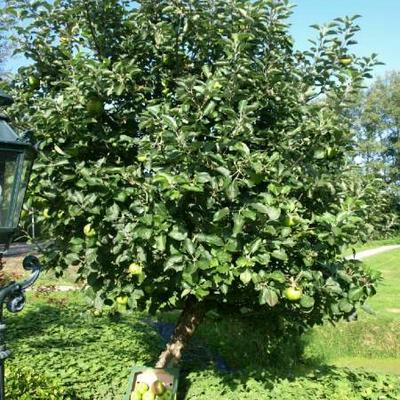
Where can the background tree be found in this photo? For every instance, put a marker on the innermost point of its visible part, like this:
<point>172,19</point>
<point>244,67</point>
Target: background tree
<point>379,127</point>
<point>185,161</point>
<point>5,45</point>
<point>376,123</point>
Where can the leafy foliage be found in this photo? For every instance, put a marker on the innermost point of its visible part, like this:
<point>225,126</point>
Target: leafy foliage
<point>191,138</point>
<point>69,346</point>
<point>381,203</point>
<point>25,384</point>
<point>325,383</point>
<point>58,349</point>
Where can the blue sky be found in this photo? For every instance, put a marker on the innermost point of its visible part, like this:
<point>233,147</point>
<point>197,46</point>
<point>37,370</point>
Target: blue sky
<point>380,27</point>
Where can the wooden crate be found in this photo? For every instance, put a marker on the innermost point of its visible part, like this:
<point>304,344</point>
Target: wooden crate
<point>170,377</point>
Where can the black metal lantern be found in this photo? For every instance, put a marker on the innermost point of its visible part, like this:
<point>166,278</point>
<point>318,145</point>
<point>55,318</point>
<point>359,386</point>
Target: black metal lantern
<point>16,159</point>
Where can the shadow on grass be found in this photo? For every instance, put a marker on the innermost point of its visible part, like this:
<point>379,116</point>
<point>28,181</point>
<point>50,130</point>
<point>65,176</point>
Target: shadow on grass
<point>259,363</point>
<point>228,356</point>
<point>92,355</point>
<point>308,382</point>
<point>54,323</point>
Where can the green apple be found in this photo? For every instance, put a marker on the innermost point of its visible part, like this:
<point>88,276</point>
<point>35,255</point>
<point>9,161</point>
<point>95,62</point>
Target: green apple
<point>167,395</point>
<point>135,269</point>
<point>97,313</point>
<point>95,106</point>
<point>46,213</point>
<point>289,221</point>
<point>136,395</point>
<point>88,230</point>
<point>34,82</point>
<point>345,60</point>
<point>293,293</point>
<point>141,387</point>
<point>216,86</point>
<point>142,157</point>
<point>122,300</point>
<point>158,387</point>
<point>149,396</point>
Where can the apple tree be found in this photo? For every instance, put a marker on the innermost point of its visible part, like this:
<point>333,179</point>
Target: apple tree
<point>191,158</point>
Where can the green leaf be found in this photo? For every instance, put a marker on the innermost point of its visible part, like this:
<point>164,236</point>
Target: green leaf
<point>185,292</point>
<point>203,177</point>
<point>210,239</point>
<point>345,277</point>
<point>268,296</point>
<point>319,154</point>
<point>277,276</point>
<point>280,255</point>
<point>210,108</point>
<point>368,309</point>
<point>189,246</point>
<point>170,121</point>
<point>255,245</point>
<point>177,234</point>
<point>160,242</point>
<point>173,261</point>
<point>238,222</point>
<point>355,294</point>
<point>120,88</point>
<point>345,306</point>
<point>59,151</point>
<point>221,214</point>
<point>244,262</point>
<point>260,207</point>
<point>245,276</point>
<point>273,213</point>
<point>262,258</point>
<point>307,301</point>
<point>232,191</point>
<point>223,171</point>
<point>242,148</point>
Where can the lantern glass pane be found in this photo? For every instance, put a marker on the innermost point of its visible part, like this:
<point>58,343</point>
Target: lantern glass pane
<point>8,169</point>
<point>6,132</point>
<point>23,184</point>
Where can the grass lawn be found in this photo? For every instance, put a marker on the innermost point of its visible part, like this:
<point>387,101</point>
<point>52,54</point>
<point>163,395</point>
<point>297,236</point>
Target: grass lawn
<point>372,342</point>
<point>373,244</point>
<point>47,278</point>
<point>58,338</point>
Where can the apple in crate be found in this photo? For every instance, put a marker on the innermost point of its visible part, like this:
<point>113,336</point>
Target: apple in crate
<point>158,387</point>
<point>153,384</point>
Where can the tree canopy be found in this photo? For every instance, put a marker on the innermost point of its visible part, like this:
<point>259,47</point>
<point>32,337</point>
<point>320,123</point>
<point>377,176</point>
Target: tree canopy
<point>189,155</point>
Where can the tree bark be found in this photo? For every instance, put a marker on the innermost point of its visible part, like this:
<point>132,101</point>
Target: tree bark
<point>190,318</point>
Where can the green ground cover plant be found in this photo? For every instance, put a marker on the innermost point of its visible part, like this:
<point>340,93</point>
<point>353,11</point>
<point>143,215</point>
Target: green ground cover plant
<point>325,383</point>
<point>59,334</point>
<point>24,383</point>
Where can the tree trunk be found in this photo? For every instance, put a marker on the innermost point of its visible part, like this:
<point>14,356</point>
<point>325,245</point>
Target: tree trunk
<point>190,318</point>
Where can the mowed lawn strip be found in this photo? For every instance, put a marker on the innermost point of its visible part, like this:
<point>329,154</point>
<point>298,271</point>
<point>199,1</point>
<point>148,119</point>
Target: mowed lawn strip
<point>373,341</point>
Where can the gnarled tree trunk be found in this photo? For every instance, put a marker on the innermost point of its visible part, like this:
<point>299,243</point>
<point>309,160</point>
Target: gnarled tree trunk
<point>190,318</point>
